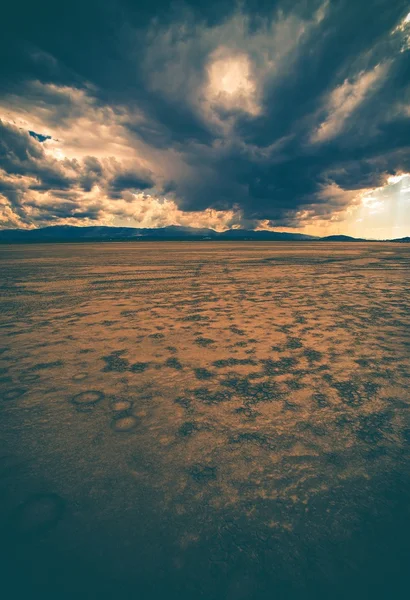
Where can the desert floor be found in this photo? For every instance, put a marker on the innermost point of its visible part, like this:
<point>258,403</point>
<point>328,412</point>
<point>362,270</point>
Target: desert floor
<point>222,421</point>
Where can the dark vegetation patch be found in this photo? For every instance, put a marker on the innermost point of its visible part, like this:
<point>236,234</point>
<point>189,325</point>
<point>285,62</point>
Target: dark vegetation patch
<point>256,375</point>
<point>49,365</point>
<point>188,428</point>
<point>300,319</point>
<point>129,313</point>
<point>203,473</point>
<point>343,420</point>
<point>290,406</point>
<point>284,329</point>
<point>202,373</point>
<point>172,349</point>
<point>204,341</point>
<point>387,374</point>
<point>363,362</point>
<point>9,395</point>
<point>252,393</point>
<point>115,362</point>
<point>373,427</point>
<point>27,377</point>
<point>247,411</point>
<point>173,363</point>
<point>278,367</point>
<point>156,336</point>
<point>318,430</point>
<point>295,384</point>
<point>207,396</point>
<point>315,429</point>
<point>232,362</point>
<point>293,343</point>
<point>277,348</point>
<point>194,318</point>
<point>335,458</point>
<point>183,401</point>
<point>371,388</point>
<point>321,400</point>
<point>237,330</point>
<point>406,435</point>
<point>375,452</point>
<point>139,367</point>
<point>349,392</point>
<point>237,383</point>
<point>397,402</point>
<point>312,355</point>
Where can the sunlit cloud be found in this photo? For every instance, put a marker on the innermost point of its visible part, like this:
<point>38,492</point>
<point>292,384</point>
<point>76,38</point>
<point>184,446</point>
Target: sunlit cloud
<point>383,212</point>
<point>345,99</point>
<point>403,29</point>
<point>230,82</point>
<point>143,210</point>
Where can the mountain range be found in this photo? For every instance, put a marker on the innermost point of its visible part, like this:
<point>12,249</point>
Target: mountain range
<point>68,233</point>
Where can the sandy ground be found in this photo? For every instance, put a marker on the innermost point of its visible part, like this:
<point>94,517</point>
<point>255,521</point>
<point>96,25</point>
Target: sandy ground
<point>205,420</point>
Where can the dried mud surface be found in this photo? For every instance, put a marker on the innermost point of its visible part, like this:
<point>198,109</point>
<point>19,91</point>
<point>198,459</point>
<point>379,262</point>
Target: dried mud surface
<point>205,420</point>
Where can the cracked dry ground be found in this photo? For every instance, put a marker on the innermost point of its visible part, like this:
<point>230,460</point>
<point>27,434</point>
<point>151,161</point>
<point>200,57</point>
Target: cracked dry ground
<point>205,420</point>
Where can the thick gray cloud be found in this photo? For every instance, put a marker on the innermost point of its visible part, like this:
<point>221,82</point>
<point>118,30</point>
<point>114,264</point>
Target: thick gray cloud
<point>31,178</point>
<point>277,111</point>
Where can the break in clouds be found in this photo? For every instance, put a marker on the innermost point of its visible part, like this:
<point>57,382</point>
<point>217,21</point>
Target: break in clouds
<point>255,114</point>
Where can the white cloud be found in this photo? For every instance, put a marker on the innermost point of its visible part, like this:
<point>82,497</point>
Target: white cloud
<point>403,30</point>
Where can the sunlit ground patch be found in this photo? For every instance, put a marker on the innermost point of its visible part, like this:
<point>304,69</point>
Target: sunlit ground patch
<point>121,405</point>
<point>80,376</point>
<point>124,424</point>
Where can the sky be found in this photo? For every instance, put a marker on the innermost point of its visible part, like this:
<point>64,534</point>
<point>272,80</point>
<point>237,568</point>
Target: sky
<point>292,115</point>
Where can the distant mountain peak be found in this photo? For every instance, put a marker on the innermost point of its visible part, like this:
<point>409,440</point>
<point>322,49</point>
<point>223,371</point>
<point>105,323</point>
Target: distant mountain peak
<point>341,238</point>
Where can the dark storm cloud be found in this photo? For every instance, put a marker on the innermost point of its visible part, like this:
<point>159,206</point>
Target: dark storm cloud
<point>322,102</point>
<point>92,172</point>
<point>22,155</point>
<point>130,181</point>
<point>26,170</point>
